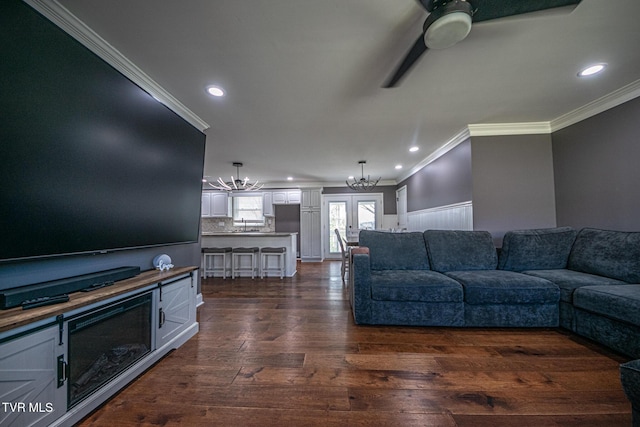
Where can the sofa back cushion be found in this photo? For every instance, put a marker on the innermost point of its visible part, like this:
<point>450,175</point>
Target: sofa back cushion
<point>538,249</point>
<point>453,250</point>
<point>395,251</point>
<point>614,254</point>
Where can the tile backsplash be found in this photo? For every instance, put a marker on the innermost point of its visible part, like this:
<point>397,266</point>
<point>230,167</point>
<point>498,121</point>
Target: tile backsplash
<point>216,225</point>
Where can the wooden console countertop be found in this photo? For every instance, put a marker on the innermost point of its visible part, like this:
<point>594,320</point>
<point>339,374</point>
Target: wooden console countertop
<point>14,317</point>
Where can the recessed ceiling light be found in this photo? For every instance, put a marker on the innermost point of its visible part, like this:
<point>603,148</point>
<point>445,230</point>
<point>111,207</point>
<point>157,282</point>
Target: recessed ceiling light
<point>398,166</point>
<point>350,177</point>
<point>289,178</point>
<point>414,149</point>
<point>215,91</point>
<point>591,70</point>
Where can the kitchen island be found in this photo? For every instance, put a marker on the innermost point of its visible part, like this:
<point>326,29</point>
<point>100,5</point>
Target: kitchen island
<point>255,239</point>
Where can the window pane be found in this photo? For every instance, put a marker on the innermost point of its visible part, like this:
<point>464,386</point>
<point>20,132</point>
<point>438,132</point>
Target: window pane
<point>337,219</point>
<point>367,215</point>
<point>248,209</point>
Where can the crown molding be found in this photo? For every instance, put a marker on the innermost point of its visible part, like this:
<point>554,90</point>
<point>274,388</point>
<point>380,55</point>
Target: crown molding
<point>453,142</point>
<point>77,29</point>
<point>497,129</point>
<point>607,102</point>
<point>611,100</point>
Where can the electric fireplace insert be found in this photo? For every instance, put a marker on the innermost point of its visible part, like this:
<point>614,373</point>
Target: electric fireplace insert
<point>105,342</point>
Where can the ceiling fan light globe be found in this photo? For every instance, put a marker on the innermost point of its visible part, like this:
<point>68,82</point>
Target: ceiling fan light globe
<point>448,30</point>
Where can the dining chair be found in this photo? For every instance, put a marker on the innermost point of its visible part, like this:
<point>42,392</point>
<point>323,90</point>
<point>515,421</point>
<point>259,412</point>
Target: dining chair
<point>345,255</point>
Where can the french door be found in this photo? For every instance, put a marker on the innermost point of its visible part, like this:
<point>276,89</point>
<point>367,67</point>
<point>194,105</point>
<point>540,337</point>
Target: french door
<point>350,213</point>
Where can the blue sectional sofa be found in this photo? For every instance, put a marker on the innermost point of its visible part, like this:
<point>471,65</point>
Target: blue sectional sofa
<point>394,285</point>
<point>586,281</point>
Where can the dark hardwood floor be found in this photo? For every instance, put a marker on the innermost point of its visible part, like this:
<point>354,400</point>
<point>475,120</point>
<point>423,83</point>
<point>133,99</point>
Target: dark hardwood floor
<point>286,352</point>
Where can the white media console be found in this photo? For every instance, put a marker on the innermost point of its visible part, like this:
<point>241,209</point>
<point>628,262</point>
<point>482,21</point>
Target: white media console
<point>35,365</point>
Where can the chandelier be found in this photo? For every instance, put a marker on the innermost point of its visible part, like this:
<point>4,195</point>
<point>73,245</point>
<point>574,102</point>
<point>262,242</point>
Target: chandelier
<point>362,184</point>
<point>236,183</point>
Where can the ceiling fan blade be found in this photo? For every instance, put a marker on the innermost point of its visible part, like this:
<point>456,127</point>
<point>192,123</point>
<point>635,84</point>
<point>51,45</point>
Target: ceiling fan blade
<point>485,10</point>
<point>412,56</point>
<point>426,4</point>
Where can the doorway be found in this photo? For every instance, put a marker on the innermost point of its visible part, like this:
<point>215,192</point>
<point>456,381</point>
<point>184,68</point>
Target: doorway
<point>401,207</point>
<point>349,213</point>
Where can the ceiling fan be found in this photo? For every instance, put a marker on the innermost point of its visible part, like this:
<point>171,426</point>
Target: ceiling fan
<point>449,22</point>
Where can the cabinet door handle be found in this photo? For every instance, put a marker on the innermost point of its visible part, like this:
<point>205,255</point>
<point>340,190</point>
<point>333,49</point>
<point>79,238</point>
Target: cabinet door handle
<point>62,371</point>
<point>161,317</point>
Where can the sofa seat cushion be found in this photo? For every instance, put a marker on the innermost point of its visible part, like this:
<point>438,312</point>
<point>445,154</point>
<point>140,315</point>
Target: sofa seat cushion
<point>568,280</point>
<point>619,302</point>
<point>395,251</point>
<point>537,249</point>
<point>614,254</point>
<point>456,250</point>
<point>505,287</point>
<point>414,285</point>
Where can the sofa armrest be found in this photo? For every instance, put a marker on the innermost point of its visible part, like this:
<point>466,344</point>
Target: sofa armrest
<point>361,292</point>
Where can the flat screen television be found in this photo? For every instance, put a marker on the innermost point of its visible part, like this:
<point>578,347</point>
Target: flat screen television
<point>89,162</point>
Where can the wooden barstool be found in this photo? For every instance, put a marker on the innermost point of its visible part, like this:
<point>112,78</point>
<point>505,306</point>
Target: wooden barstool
<point>209,261</point>
<point>280,252</point>
<point>237,254</point>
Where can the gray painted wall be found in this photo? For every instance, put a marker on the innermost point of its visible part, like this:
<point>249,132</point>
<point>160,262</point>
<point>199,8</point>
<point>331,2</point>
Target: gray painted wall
<point>446,180</point>
<point>597,170</point>
<point>513,184</point>
<point>30,272</point>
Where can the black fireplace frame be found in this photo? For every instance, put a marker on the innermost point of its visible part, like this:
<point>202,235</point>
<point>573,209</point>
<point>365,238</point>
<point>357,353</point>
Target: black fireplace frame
<point>79,324</point>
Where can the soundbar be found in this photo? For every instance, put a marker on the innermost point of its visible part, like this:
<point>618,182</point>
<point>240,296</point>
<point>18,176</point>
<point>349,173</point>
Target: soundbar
<point>14,297</point>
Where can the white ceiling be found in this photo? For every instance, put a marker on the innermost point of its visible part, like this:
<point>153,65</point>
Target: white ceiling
<point>303,78</point>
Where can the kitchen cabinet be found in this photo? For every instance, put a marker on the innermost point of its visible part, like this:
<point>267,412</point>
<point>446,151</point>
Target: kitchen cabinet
<point>310,236</point>
<point>31,394</point>
<point>311,198</point>
<point>220,203</point>
<point>215,204</point>
<point>311,225</point>
<point>286,197</point>
<point>267,204</point>
<point>205,211</point>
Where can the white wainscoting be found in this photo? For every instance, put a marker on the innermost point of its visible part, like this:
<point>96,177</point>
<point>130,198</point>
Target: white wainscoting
<point>458,216</point>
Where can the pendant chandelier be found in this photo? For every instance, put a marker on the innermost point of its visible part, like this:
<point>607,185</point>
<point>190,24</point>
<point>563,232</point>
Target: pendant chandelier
<point>236,184</point>
<point>362,184</point>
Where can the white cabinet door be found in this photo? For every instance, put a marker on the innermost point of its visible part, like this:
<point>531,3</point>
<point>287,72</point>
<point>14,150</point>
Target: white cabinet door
<point>206,205</point>
<point>293,197</point>
<point>215,204</point>
<point>267,204</point>
<point>219,204</point>
<point>29,379</point>
<point>310,235</point>
<point>279,197</point>
<point>311,199</point>
<point>286,197</point>
<point>176,309</point>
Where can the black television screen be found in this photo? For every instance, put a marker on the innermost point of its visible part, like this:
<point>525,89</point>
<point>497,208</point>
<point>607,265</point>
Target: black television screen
<point>89,162</point>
